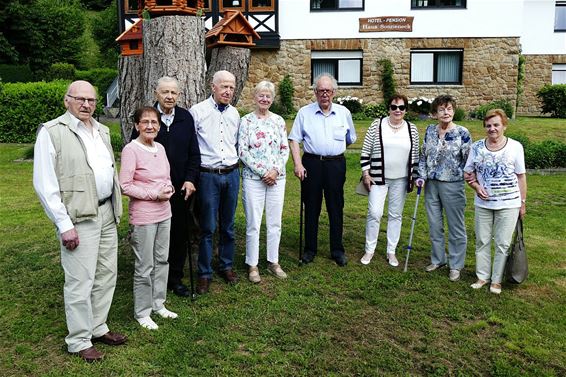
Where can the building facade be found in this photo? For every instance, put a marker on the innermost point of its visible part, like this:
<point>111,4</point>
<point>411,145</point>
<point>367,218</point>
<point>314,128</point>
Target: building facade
<point>467,48</point>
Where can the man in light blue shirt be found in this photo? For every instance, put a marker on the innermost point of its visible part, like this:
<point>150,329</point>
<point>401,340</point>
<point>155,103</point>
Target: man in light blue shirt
<point>325,129</point>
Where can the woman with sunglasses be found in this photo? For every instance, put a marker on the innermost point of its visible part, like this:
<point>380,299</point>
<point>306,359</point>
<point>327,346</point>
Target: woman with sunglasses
<point>444,153</point>
<point>389,161</point>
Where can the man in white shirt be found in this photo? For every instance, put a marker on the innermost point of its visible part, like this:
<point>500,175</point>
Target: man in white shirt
<point>75,178</point>
<point>217,124</point>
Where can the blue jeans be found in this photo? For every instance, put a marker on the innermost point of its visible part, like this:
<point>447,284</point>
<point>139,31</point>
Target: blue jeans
<point>218,198</point>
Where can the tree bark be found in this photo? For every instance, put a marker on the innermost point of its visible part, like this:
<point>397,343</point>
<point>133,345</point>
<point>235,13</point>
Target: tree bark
<point>131,92</point>
<point>233,59</point>
<point>174,46</point>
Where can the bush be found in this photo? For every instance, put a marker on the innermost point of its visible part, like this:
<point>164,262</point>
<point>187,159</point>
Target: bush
<point>354,104</point>
<point>388,86</point>
<point>286,93</point>
<point>375,111</point>
<point>548,154</point>
<point>502,104</point>
<point>101,78</point>
<point>420,105</point>
<point>553,98</point>
<point>15,73</point>
<point>61,71</point>
<point>459,114</point>
<point>25,105</point>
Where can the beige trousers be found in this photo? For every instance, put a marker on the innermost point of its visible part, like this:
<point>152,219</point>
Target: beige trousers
<point>90,278</point>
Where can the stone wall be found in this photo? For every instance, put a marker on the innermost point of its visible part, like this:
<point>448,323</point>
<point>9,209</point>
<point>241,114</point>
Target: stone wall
<point>489,68</point>
<point>538,72</point>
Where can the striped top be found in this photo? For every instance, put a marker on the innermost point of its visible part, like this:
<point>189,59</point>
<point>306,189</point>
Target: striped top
<point>372,157</point>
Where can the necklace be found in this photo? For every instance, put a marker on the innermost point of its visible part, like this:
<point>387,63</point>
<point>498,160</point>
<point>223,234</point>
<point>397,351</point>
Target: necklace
<point>494,147</point>
<point>395,126</point>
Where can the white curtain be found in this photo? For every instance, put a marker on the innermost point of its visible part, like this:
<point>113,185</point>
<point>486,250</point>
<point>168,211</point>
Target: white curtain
<point>422,66</point>
<point>320,66</point>
<point>448,67</point>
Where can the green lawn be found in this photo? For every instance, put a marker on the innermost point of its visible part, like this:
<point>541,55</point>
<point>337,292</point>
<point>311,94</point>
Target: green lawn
<point>323,320</point>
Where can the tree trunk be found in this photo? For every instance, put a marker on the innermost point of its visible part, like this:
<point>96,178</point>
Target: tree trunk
<point>174,46</point>
<point>131,92</point>
<point>233,59</point>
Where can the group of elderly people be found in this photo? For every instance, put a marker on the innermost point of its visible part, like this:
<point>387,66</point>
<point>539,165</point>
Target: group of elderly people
<point>179,159</point>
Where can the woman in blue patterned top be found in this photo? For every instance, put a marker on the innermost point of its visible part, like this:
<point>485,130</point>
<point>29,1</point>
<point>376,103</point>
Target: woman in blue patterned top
<point>444,153</point>
<point>263,148</point>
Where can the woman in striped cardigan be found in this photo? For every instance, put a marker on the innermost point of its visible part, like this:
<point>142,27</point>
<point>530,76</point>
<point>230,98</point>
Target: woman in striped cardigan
<point>389,161</point>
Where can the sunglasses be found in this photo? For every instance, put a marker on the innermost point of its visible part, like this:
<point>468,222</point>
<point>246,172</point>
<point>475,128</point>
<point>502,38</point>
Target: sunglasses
<point>395,107</point>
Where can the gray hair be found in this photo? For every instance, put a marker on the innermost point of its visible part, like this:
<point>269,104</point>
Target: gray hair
<point>167,80</point>
<point>265,85</point>
<point>325,74</point>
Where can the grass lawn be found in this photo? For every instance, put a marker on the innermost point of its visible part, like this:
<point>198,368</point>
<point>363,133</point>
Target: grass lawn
<point>323,320</point>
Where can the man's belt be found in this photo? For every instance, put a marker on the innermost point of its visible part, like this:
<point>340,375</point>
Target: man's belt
<point>102,201</point>
<point>324,158</point>
<point>225,170</point>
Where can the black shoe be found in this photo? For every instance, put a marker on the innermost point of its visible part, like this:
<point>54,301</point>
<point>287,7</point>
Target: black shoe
<point>340,260</point>
<point>180,290</point>
<point>307,258</point>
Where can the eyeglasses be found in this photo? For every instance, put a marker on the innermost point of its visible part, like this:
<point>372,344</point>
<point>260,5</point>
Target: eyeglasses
<point>444,111</point>
<point>400,107</point>
<point>81,100</point>
<point>324,91</point>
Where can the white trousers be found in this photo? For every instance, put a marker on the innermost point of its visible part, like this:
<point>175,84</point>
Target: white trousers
<point>151,247</point>
<point>90,278</point>
<point>499,226</point>
<point>256,196</point>
<point>397,191</point>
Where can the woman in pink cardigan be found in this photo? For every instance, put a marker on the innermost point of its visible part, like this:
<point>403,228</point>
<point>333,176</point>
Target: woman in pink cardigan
<point>144,177</point>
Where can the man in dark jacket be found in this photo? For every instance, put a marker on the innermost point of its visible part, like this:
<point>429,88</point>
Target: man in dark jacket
<point>177,134</point>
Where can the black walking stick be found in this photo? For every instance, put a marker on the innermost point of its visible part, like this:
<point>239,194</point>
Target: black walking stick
<point>301,228</point>
<point>188,234</point>
<point>412,228</point>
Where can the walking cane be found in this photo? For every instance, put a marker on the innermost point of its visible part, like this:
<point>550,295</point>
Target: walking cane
<point>188,243</point>
<point>412,228</point>
<point>301,228</point>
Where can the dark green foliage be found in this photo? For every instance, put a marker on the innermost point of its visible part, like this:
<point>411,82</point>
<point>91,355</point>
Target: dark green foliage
<point>25,105</point>
<point>388,86</point>
<point>15,73</point>
<point>42,32</point>
<point>548,154</point>
<point>375,111</point>
<point>96,4</point>
<point>105,30</point>
<point>351,103</point>
<point>116,141</point>
<point>459,114</point>
<point>61,71</point>
<point>499,104</point>
<point>286,93</point>
<point>101,78</point>
<point>520,79</point>
<point>553,98</point>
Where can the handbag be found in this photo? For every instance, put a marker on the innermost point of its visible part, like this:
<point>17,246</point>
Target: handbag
<point>516,268</point>
<point>361,188</point>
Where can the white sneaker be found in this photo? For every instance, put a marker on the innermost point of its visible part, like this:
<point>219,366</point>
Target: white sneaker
<point>253,275</point>
<point>164,313</point>
<point>495,288</point>
<point>454,275</point>
<point>479,284</point>
<point>147,323</point>
<point>366,258</point>
<point>276,270</point>
<point>432,267</point>
<point>392,259</point>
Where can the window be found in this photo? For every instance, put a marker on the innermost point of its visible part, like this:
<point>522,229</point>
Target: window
<point>435,4</point>
<point>131,6</point>
<point>262,5</point>
<point>560,16</point>
<point>345,66</point>
<point>231,4</point>
<point>337,5</point>
<point>436,67</point>
<point>558,74</point>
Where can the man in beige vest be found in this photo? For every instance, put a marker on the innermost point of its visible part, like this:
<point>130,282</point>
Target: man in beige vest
<point>74,175</point>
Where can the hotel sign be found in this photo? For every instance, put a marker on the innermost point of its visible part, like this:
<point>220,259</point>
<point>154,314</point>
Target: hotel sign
<point>386,23</point>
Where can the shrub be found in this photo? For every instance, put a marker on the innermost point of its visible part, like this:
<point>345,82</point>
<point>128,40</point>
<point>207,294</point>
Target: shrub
<point>15,73</point>
<point>61,71</point>
<point>388,86</point>
<point>99,77</point>
<point>553,98</point>
<point>25,105</point>
<point>420,105</point>
<point>375,111</point>
<point>354,104</point>
<point>286,93</point>
<point>548,154</point>
<point>502,104</point>
<point>459,114</point>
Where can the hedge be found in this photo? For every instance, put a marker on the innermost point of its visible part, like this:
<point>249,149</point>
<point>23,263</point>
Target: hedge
<point>101,78</point>
<point>25,105</point>
<point>553,98</point>
<point>16,73</point>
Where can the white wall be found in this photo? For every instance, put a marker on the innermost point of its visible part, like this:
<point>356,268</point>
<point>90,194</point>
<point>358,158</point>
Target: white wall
<point>482,18</point>
<point>538,29</point>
